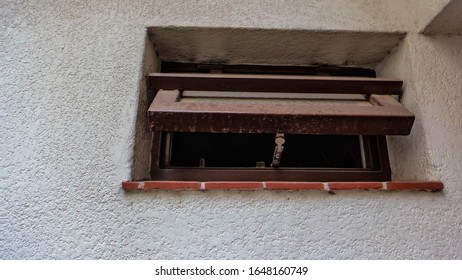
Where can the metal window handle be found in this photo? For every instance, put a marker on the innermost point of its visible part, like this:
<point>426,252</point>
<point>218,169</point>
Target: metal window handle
<point>279,140</point>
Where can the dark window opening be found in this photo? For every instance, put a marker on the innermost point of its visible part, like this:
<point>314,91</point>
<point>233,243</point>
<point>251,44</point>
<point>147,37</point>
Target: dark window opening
<point>324,70</point>
<point>256,150</point>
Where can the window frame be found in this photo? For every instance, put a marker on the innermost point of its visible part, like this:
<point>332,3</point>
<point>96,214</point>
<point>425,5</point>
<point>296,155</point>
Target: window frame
<point>386,116</point>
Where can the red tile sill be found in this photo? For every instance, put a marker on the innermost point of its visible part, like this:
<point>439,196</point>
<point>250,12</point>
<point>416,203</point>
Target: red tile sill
<point>330,186</point>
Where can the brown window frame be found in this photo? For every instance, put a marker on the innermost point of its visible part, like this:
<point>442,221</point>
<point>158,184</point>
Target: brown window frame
<point>386,117</point>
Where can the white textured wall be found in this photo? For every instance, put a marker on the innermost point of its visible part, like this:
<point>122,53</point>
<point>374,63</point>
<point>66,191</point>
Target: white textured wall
<point>448,21</point>
<point>432,70</point>
<point>70,80</point>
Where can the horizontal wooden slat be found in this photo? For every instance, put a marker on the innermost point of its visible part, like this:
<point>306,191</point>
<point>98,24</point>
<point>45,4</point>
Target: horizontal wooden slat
<point>274,83</point>
<point>387,117</point>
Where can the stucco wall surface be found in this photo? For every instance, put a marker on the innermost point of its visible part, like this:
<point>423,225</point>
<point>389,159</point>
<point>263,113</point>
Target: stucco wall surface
<point>431,67</point>
<point>448,21</point>
<point>70,79</point>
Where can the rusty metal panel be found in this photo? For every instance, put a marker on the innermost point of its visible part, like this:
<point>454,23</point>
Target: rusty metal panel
<point>386,117</point>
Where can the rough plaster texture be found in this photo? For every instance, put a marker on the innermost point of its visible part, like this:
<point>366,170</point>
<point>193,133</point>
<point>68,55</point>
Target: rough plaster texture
<point>448,21</point>
<point>143,136</point>
<point>274,47</point>
<point>423,12</point>
<point>71,76</point>
<point>432,69</point>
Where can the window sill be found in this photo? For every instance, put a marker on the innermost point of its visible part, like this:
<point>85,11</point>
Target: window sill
<point>291,186</point>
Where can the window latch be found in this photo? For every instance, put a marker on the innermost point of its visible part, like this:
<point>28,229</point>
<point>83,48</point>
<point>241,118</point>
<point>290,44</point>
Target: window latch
<point>279,140</point>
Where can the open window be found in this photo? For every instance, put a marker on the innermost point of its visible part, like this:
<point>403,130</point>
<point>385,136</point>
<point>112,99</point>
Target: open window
<point>272,123</point>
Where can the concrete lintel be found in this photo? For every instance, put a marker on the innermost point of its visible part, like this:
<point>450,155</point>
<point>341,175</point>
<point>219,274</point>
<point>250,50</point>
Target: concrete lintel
<point>273,46</point>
